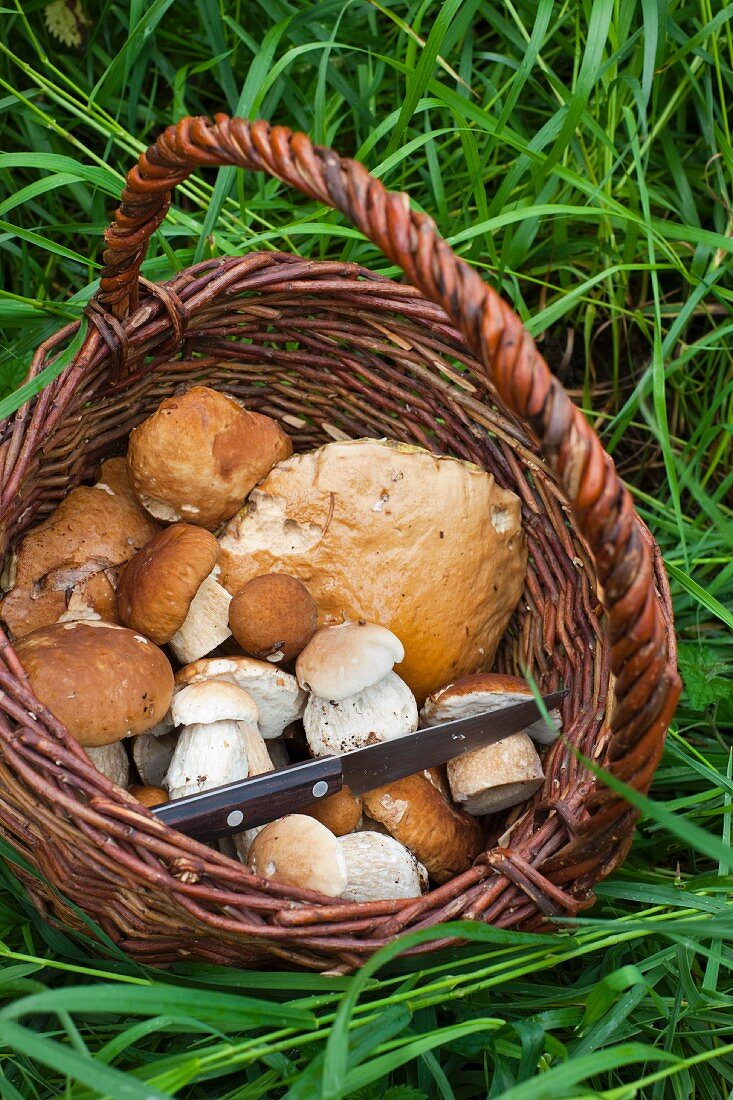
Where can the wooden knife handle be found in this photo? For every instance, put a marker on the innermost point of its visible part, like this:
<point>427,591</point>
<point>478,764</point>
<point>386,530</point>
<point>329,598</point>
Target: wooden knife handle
<point>224,811</point>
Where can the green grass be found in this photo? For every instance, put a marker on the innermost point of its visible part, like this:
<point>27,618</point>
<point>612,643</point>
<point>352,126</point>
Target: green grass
<point>579,154</point>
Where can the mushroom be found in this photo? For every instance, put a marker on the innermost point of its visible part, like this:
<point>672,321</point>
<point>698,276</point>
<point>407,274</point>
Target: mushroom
<point>340,812</point>
<point>102,681</point>
<point>482,693</point>
<point>379,868</point>
<point>199,455</point>
<point>381,712</point>
<point>428,546</point>
<point>111,760</point>
<point>417,812</point>
<point>276,693</point>
<point>149,796</point>
<point>152,754</point>
<point>273,617</point>
<point>298,851</point>
<point>277,750</point>
<point>499,775</point>
<point>343,660</point>
<point>217,718</point>
<point>170,593</point>
<point>258,762</point>
<point>66,568</point>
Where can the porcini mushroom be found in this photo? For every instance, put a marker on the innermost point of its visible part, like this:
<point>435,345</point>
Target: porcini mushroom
<point>482,693</point>
<point>340,812</point>
<point>379,868</point>
<point>298,851</point>
<point>149,796</point>
<point>416,812</point>
<point>111,760</point>
<point>340,661</point>
<point>499,775</point>
<point>102,681</point>
<point>152,754</point>
<point>428,546</point>
<point>258,762</point>
<point>199,455</point>
<point>276,693</point>
<point>217,717</point>
<point>66,568</point>
<point>170,593</point>
<point>273,617</point>
<point>381,712</point>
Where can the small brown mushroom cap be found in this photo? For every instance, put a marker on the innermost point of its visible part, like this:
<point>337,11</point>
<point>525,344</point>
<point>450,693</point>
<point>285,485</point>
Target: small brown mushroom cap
<point>103,682</point>
<point>482,693</point>
<point>340,812</point>
<point>298,851</point>
<point>158,585</point>
<point>273,617</point>
<point>75,554</point>
<point>149,796</point>
<point>343,660</point>
<point>417,813</point>
<point>227,451</point>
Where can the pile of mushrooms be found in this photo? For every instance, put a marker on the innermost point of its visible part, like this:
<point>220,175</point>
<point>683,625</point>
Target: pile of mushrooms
<point>215,607</point>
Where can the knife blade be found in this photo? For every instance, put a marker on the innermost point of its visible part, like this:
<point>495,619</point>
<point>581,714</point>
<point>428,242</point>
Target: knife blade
<point>224,811</point>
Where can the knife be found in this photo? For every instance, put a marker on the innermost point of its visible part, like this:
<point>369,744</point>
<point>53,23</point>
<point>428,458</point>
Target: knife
<point>223,811</point>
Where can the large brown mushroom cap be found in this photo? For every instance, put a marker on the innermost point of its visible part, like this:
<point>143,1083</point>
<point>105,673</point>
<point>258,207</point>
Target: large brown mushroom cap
<point>102,681</point>
<point>273,617</point>
<point>227,451</point>
<point>417,813</point>
<point>158,586</point>
<point>428,546</point>
<point>75,553</point>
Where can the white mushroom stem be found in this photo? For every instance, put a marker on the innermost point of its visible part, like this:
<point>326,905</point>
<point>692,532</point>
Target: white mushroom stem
<point>381,712</point>
<point>259,763</point>
<point>111,760</point>
<point>207,624</point>
<point>379,868</point>
<point>78,608</point>
<point>278,753</point>
<point>496,777</point>
<point>257,754</point>
<point>152,754</point>
<point>206,756</point>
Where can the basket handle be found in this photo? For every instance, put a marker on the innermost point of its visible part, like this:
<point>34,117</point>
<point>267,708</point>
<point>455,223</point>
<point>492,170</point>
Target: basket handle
<point>642,654</point>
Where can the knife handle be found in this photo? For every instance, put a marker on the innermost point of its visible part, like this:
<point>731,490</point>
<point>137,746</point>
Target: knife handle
<point>224,811</point>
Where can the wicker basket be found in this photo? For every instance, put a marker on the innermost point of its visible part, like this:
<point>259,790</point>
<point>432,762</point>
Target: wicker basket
<point>334,351</point>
